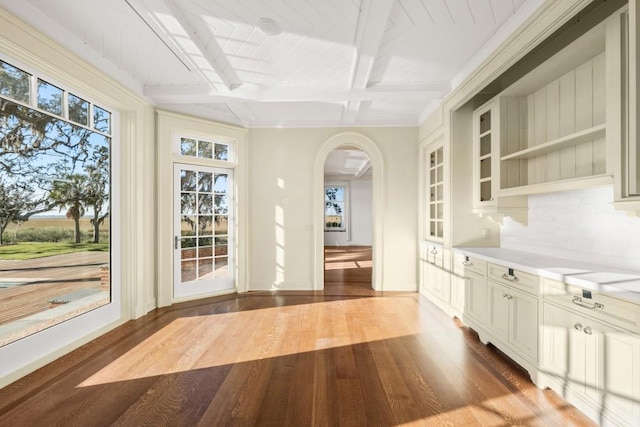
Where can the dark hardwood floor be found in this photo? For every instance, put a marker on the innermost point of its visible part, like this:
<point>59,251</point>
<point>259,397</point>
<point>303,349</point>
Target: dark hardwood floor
<point>359,358</point>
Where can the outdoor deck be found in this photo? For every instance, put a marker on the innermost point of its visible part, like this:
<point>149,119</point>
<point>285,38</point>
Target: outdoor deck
<point>34,294</point>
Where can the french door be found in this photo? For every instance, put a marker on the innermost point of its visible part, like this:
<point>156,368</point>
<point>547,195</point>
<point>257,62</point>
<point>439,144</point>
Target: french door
<point>203,230</point>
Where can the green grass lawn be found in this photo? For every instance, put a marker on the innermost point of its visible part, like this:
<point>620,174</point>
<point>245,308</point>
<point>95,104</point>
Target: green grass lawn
<point>31,250</point>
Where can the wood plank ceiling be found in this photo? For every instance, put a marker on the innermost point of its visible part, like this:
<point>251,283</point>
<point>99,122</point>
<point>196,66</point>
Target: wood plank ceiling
<point>335,62</point>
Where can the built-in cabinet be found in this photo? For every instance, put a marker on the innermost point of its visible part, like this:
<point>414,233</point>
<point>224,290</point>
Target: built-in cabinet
<point>594,364</point>
<point>560,127</point>
<point>512,317</point>
<point>627,151</point>
<point>435,281</point>
<point>475,278</point>
<point>435,190</point>
<point>501,304</point>
<point>569,122</point>
<point>490,131</point>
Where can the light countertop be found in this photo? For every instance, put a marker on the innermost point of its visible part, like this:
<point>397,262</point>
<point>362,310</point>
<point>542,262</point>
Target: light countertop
<point>614,281</point>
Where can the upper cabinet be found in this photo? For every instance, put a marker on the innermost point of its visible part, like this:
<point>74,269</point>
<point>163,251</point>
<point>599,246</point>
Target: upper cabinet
<point>563,126</point>
<point>435,185</point>
<point>492,129</point>
<point>432,166</point>
<point>627,151</point>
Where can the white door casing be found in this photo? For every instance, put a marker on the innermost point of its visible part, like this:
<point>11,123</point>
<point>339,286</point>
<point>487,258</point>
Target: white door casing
<point>369,147</point>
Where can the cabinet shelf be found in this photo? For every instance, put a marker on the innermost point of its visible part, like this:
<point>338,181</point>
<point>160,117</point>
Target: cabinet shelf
<point>561,185</point>
<point>593,133</point>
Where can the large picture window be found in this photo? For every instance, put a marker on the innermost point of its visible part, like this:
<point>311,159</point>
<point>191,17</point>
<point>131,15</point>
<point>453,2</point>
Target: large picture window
<point>55,192</point>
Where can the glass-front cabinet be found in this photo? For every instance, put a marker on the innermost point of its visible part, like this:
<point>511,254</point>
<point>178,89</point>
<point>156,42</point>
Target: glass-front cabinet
<point>485,138</point>
<point>435,192</point>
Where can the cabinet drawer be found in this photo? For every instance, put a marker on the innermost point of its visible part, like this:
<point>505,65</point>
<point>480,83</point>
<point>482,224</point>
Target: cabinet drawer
<point>463,263</point>
<point>435,255</point>
<point>621,313</point>
<point>514,278</point>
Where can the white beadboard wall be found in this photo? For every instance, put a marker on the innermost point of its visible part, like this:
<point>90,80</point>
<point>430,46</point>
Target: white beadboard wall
<point>577,225</point>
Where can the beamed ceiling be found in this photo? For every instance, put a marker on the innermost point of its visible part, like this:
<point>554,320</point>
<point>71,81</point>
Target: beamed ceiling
<point>334,63</point>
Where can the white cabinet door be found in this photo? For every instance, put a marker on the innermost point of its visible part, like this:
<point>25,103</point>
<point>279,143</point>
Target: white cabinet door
<point>598,361</point>
<point>476,297</point>
<point>612,374</point>
<point>562,354</point>
<point>441,287</point>
<point>457,292</point>
<point>512,316</point>
<point>498,310</point>
<point>523,323</point>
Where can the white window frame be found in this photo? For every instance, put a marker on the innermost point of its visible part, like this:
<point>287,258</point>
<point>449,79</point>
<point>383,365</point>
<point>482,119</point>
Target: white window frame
<point>346,214</point>
<point>180,134</point>
<point>44,346</point>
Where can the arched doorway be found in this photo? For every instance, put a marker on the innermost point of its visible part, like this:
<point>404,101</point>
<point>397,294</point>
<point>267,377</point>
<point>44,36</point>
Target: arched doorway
<point>348,224</point>
<point>366,145</point>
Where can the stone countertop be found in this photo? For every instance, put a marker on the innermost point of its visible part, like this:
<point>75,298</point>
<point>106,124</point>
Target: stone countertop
<point>613,281</point>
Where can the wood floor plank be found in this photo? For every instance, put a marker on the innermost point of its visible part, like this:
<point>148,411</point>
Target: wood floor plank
<point>345,356</point>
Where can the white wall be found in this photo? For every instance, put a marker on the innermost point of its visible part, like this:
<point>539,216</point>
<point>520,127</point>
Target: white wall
<point>577,224</point>
<point>360,228</point>
<point>361,212</point>
<point>281,178</point>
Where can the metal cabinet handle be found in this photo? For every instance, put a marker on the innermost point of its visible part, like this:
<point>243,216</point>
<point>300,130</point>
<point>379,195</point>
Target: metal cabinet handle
<point>434,252</point>
<point>588,331</point>
<point>467,263</point>
<point>578,326</point>
<point>578,301</point>
<point>175,242</point>
<point>504,295</point>
<point>509,277</point>
<point>509,296</point>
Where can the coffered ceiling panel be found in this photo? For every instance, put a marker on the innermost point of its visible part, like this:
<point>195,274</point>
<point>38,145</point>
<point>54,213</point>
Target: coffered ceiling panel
<point>282,62</point>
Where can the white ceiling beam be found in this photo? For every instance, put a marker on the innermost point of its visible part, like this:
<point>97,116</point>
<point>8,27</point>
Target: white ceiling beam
<point>247,92</point>
<point>175,31</point>
<point>212,52</point>
<point>365,167</point>
<point>372,22</point>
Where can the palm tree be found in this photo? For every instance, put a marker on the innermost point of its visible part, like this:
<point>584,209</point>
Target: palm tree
<point>69,192</point>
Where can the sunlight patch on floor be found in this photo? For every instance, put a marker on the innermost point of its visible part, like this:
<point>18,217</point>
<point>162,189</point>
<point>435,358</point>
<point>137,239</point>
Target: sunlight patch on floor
<point>492,413</point>
<point>246,336</point>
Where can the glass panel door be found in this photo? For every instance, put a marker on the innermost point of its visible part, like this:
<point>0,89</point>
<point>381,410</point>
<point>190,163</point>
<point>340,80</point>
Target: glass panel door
<point>203,230</point>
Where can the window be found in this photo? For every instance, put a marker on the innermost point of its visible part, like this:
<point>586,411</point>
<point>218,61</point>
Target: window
<point>335,207</point>
<point>55,194</point>
<point>204,149</point>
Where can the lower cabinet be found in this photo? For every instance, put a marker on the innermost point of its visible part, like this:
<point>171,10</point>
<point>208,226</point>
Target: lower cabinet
<point>475,297</point>
<point>458,284</point>
<point>595,365</point>
<point>512,317</point>
<point>435,278</point>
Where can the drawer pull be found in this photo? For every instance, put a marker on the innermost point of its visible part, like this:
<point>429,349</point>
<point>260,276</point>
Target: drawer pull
<point>578,301</point>
<point>588,331</point>
<point>434,252</point>
<point>578,326</point>
<point>467,263</point>
<point>509,277</point>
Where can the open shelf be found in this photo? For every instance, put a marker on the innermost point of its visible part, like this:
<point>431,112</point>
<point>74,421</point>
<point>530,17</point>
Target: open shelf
<point>560,185</point>
<point>593,133</point>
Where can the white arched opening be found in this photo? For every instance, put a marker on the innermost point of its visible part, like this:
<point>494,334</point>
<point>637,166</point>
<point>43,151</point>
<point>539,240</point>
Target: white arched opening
<point>375,157</point>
